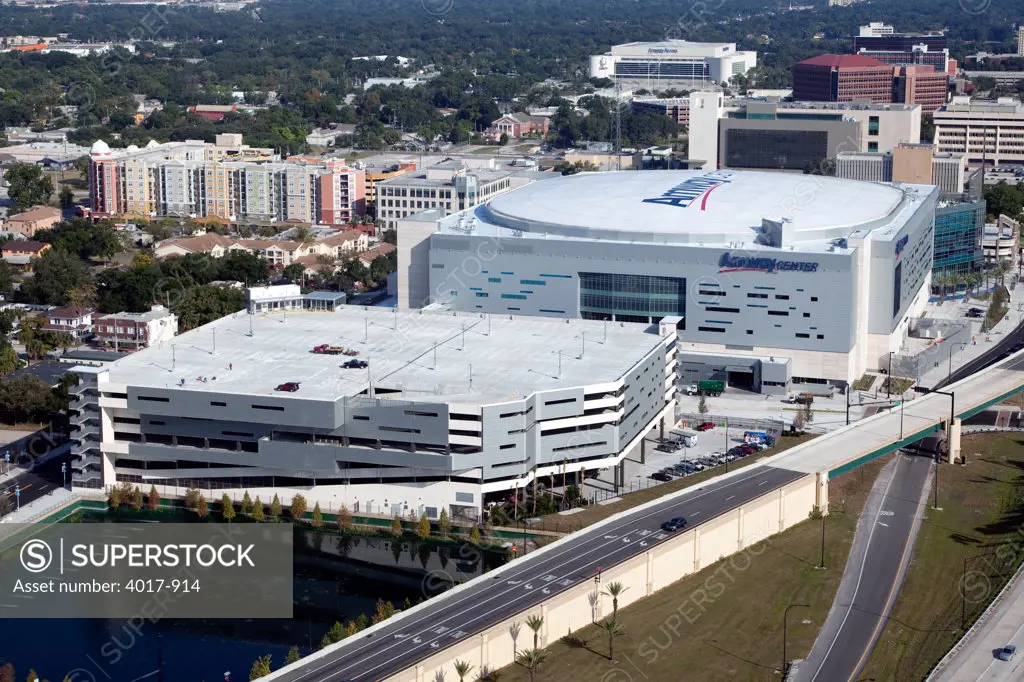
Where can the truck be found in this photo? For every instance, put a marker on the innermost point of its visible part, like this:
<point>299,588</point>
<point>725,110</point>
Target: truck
<point>707,387</point>
<point>327,349</point>
<point>686,437</point>
<point>803,398</point>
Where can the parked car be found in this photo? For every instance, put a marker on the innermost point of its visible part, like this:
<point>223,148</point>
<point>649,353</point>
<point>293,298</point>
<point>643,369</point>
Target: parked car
<point>290,387</point>
<point>1007,653</point>
<point>674,524</point>
<point>705,426</point>
<point>661,476</point>
<point>356,364</point>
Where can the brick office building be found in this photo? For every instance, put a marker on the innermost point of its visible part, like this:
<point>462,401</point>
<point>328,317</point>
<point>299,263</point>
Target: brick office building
<point>842,78</point>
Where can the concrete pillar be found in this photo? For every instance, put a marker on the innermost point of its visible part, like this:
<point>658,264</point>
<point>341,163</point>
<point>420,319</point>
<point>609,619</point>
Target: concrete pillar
<point>650,572</point>
<point>696,549</point>
<point>419,673</point>
<point>622,473</point>
<point>545,628</point>
<point>821,491</point>
<point>782,509</point>
<point>740,518</point>
<point>484,659</point>
<point>643,449</point>
<point>954,440</point>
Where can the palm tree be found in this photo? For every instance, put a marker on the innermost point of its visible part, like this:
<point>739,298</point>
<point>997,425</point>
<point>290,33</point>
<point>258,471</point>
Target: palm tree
<point>513,630</point>
<point>593,598</point>
<point>535,623</point>
<point>531,659</point>
<point>614,629</point>
<point>614,590</point>
<point>1002,269</point>
<point>439,676</point>
<point>462,669</point>
<point>941,281</point>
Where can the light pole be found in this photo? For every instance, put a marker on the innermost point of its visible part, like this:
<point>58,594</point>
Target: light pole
<point>821,564</point>
<point>888,378</point>
<point>785,616</point>
<point>17,495</point>
<point>64,473</point>
<point>949,440</point>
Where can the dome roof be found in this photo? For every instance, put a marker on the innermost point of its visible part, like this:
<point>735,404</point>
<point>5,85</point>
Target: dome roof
<point>133,148</point>
<point>152,143</point>
<point>99,147</point>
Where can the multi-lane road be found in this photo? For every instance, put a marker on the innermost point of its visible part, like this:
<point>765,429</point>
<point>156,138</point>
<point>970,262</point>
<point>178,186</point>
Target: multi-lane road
<point>531,580</point>
<point>873,576</point>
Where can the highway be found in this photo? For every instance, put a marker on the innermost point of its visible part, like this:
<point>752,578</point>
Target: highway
<point>531,580</point>
<point>871,582</point>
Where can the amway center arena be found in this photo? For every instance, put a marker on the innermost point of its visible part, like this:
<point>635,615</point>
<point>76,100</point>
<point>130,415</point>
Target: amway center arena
<point>774,281</point>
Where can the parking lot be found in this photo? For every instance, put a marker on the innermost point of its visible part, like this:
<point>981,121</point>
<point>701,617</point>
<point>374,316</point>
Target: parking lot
<point>710,451</point>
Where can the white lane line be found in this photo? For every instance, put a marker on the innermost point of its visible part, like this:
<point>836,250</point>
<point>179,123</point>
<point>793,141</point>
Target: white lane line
<point>860,576</point>
<point>729,498</point>
<point>757,471</point>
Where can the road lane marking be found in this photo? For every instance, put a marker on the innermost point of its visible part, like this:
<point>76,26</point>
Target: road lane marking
<point>860,577</point>
<point>571,548</point>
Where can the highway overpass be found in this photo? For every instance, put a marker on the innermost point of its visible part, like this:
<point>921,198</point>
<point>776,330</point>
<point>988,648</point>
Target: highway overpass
<point>471,620</point>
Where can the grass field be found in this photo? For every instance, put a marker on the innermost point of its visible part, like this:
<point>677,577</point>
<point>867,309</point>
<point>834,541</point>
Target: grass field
<point>599,512</point>
<point>740,636</point>
<point>982,520</point>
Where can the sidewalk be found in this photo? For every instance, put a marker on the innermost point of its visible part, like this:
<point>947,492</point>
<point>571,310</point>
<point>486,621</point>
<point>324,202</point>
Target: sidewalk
<point>941,365</point>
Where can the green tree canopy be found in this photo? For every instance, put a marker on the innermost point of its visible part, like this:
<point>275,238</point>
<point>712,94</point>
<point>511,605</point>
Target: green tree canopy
<point>27,186</point>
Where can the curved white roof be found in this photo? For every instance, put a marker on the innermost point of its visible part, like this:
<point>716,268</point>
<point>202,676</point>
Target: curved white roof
<point>99,147</point>
<point>693,206</point>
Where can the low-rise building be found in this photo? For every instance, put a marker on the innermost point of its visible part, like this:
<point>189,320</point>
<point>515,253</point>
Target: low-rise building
<point>913,163</point>
<point>21,252</point>
<point>33,220</point>
<point>133,331</point>
<point>989,132</point>
<point>72,320</point>
<point>367,257</point>
<point>277,252</point>
<point>212,112</point>
<point>518,125</point>
<point>1002,242</point>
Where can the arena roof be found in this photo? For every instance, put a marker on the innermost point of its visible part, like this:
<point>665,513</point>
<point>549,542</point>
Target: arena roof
<point>507,357</point>
<point>693,207</point>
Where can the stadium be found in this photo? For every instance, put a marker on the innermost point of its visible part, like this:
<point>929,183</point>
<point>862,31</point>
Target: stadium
<point>774,281</point>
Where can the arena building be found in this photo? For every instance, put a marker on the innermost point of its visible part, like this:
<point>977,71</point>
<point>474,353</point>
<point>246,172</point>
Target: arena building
<point>450,407</point>
<point>777,280</point>
<point>672,64</point>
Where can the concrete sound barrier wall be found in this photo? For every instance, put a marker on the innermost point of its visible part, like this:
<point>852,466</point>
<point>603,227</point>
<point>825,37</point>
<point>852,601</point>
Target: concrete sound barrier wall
<point>642,575</point>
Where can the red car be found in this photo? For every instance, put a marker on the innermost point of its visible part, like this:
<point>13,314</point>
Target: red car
<point>290,387</point>
<point>706,426</point>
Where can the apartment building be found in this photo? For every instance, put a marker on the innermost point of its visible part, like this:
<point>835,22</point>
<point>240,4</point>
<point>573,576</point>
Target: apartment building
<point>676,108</point>
<point>989,132</point>
<point>31,221</point>
<point>132,331</point>
<point>277,252</point>
<point>449,186</point>
<point>227,180</point>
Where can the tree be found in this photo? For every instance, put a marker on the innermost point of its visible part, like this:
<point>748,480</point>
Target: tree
<point>1003,199</point>
<point>1003,268</point>
<point>613,590</point>
<point>246,504</point>
<point>32,676</point>
<point>260,667</point>
<point>535,623</point>
<point>614,629</point>
<point>799,421</point>
<point>55,273</point>
<point>203,304</point>
<point>385,610</point>
<point>318,517</point>
<point>153,501</point>
<point>137,498</point>
<point>293,656</point>
<point>444,524</point>
<point>6,279</point>
<point>474,536</point>
<point>227,508</point>
<point>462,668</point>
<point>114,499</point>
<point>294,272</point>
<point>7,673</point>
<point>344,518</point>
<point>423,529</point>
<point>66,196</point>
<point>27,186</point>
<point>202,509</point>
<point>191,497</point>
<point>396,526</point>
<point>258,514</point>
<point>298,507</point>
<point>531,659</point>
<point>275,507</point>
<point>83,239</point>
<point>702,405</point>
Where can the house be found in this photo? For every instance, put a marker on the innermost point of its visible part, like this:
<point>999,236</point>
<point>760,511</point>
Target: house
<point>34,219</point>
<point>74,321</point>
<point>213,112</point>
<point>380,250</point>
<point>314,266</point>
<point>210,243</point>
<point>277,252</point>
<point>349,241</point>
<point>21,252</point>
<point>124,330</point>
<point>518,125</point>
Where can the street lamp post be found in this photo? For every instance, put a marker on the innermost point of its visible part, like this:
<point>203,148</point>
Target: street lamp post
<point>17,495</point>
<point>888,378</point>
<point>785,616</point>
<point>64,473</point>
<point>949,440</point>
<point>821,564</point>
